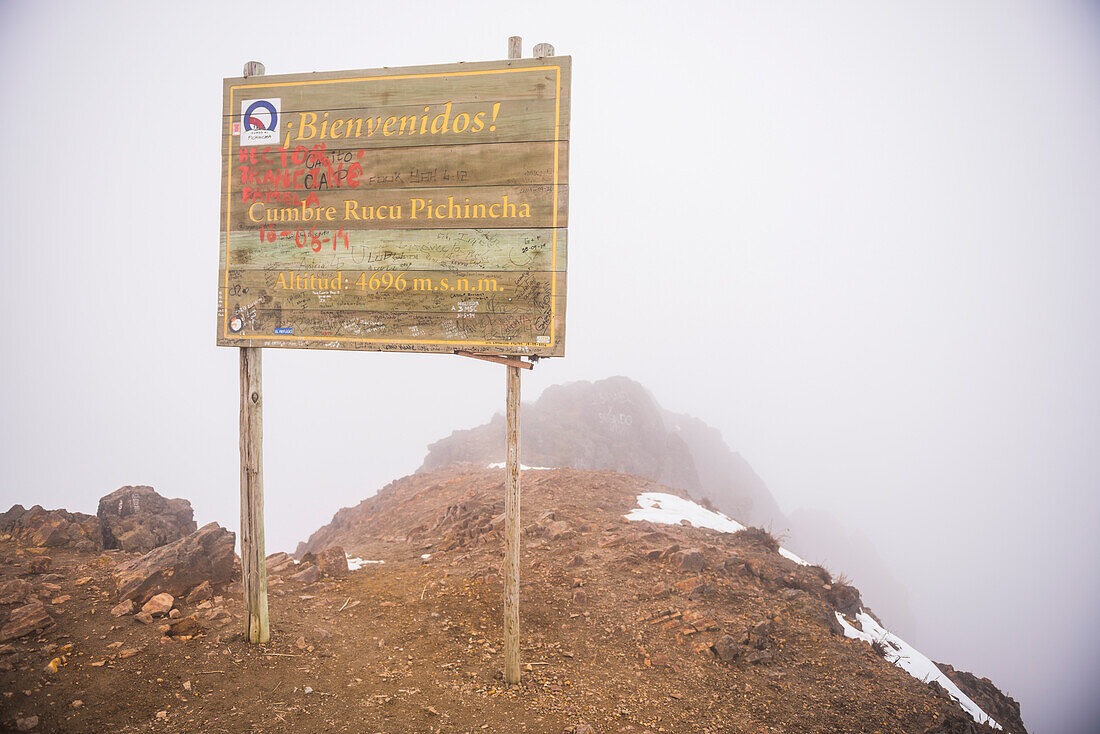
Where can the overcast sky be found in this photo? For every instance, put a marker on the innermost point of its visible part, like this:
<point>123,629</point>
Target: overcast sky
<point>861,238</point>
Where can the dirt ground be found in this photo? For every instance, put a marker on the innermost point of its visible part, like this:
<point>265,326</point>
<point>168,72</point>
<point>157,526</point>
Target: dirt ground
<point>615,636</point>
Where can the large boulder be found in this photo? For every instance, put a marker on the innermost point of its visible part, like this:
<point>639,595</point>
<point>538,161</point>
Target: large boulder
<point>138,519</point>
<point>51,528</point>
<point>333,561</point>
<point>177,568</point>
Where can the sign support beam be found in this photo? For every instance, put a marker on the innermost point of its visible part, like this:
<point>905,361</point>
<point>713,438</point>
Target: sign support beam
<point>253,567</point>
<point>511,531</point>
<point>511,497</point>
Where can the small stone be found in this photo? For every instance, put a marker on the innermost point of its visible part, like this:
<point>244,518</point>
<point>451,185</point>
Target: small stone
<point>693,587</point>
<point>201,592</point>
<point>84,580</point>
<point>300,643</point>
<point>129,653</point>
<point>187,685</point>
<point>76,704</point>
<point>307,690</point>
<point>14,591</point>
<point>580,597</point>
<point>26,723</point>
<point>163,715</point>
<point>689,560</point>
<point>121,610</point>
<point>307,576</point>
<point>40,564</point>
<point>24,620</point>
<point>60,599</point>
<point>578,560</point>
<point>660,591</point>
<point>174,614</point>
<point>159,605</point>
<point>144,617</point>
<point>185,628</point>
<point>559,530</point>
<point>726,648</point>
<point>760,656</point>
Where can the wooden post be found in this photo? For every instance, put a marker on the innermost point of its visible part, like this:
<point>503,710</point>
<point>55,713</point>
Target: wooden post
<point>253,568</point>
<point>511,498</point>
<point>511,533</point>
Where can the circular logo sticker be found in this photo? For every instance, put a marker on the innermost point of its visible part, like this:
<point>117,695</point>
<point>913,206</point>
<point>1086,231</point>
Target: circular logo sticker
<point>236,324</point>
<point>261,115</point>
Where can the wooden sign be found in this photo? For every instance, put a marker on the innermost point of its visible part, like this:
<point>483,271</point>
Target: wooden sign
<point>419,209</point>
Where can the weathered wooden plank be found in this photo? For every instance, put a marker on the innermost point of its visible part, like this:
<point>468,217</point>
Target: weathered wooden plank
<point>508,332</point>
<point>264,170</point>
<point>397,250</point>
<point>411,125</point>
<point>472,207</point>
<point>446,293</point>
<point>397,345</point>
<point>464,82</point>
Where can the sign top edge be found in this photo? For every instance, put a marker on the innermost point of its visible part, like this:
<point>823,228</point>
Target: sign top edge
<point>565,62</point>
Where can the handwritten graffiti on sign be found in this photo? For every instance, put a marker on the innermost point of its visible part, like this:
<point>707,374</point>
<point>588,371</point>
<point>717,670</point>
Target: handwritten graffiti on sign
<point>417,209</point>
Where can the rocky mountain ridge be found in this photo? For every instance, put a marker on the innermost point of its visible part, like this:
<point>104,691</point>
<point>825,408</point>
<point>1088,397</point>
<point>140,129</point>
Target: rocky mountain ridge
<point>733,604</point>
<point>632,623</point>
<point>617,425</point>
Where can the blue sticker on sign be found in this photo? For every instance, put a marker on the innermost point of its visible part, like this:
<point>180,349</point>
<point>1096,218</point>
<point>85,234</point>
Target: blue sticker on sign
<point>283,330</point>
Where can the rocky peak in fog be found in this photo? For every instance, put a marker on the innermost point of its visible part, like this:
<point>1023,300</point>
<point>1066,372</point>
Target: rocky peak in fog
<point>617,424</point>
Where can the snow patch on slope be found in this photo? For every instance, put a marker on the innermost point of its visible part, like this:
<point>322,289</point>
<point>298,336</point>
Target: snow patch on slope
<point>668,509</point>
<point>909,659</point>
<point>792,557</point>
<point>354,564</point>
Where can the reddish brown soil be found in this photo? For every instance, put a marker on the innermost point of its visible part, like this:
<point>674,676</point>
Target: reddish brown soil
<point>414,645</point>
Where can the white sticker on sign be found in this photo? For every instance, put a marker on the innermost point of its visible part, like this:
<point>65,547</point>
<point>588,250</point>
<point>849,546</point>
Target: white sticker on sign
<point>260,122</point>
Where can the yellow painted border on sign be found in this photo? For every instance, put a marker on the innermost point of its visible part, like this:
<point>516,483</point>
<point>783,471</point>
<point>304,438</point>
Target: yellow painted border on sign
<point>428,75</point>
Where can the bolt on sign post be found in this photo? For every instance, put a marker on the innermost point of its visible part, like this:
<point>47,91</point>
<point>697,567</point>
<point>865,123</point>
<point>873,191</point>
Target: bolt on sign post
<point>418,209</point>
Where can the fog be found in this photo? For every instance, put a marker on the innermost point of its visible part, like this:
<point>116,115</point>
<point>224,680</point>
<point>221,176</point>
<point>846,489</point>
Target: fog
<point>860,238</point>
